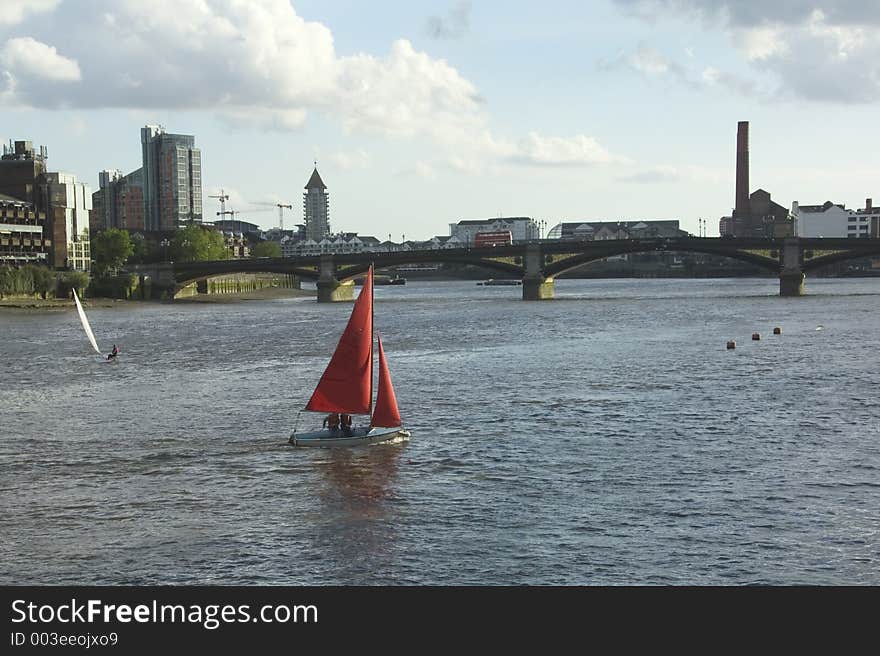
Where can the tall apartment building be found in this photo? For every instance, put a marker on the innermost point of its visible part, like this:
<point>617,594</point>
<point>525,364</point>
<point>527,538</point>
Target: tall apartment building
<point>119,201</point>
<point>316,208</point>
<point>171,179</point>
<point>58,203</point>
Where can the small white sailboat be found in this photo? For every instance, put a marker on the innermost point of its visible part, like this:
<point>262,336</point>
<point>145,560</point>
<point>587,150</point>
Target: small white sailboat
<point>88,329</point>
<point>346,387</point>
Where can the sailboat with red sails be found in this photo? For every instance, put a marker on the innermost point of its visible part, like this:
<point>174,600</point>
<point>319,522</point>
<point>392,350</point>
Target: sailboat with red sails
<point>346,387</point>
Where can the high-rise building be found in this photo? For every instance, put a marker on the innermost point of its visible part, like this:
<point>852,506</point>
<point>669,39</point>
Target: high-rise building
<point>119,201</point>
<point>316,208</point>
<point>171,179</point>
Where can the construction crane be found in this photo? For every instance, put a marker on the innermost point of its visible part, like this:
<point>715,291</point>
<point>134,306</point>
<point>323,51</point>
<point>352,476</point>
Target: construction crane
<point>281,207</point>
<point>223,198</point>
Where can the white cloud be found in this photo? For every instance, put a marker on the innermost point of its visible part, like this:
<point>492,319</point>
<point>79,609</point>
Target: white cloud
<point>406,93</point>
<point>648,61</point>
<point>27,57</point>
<point>579,150</point>
<point>652,175</point>
<point>419,169</point>
<point>260,64</point>
<point>15,11</point>
<point>823,50</point>
<point>357,159</point>
<point>666,174</point>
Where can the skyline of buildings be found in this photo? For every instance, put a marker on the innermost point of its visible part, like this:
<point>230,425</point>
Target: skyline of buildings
<point>49,216</point>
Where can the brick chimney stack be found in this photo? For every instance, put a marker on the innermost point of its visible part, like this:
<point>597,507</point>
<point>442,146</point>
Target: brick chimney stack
<point>868,205</point>
<point>742,167</point>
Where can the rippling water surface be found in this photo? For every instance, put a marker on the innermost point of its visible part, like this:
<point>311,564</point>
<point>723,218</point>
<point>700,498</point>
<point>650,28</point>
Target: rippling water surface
<point>607,437</point>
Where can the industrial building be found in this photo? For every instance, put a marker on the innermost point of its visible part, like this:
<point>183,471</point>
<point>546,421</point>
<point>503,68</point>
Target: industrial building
<point>754,214</point>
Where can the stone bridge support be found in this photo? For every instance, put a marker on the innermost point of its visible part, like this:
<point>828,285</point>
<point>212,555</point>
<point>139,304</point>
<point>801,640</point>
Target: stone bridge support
<point>330,290</point>
<point>535,286</point>
<point>791,278</point>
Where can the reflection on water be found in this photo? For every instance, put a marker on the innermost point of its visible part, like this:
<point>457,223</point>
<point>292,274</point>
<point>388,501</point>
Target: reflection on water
<point>357,492</point>
<point>606,437</point>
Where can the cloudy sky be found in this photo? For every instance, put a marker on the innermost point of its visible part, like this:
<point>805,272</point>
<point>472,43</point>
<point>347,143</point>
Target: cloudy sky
<point>424,113</point>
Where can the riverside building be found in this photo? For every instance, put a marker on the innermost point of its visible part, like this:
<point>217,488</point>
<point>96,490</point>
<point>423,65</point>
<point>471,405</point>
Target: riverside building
<point>836,220</point>
<point>55,201</point>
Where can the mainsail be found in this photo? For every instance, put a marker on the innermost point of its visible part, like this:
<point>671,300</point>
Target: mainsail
<point>85,323</point>
<point>386,414</point>
<point>347,383</point>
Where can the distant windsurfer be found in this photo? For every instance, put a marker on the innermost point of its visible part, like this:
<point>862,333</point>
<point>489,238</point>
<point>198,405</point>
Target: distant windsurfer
<point>113,353</point>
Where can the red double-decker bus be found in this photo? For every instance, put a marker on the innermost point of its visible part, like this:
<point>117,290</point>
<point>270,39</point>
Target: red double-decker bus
<point>490,239</point>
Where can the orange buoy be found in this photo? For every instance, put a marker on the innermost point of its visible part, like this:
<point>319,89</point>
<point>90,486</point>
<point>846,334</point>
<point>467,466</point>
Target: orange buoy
<point>731,344</point>
<point>777,330</point>
<point>756,336</point>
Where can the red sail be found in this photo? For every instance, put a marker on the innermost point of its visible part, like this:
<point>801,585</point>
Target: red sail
<point>347,383</point>
<point>386,414</point>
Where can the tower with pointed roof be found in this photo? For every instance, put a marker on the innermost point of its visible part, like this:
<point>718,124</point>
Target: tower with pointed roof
<point>316,208</point>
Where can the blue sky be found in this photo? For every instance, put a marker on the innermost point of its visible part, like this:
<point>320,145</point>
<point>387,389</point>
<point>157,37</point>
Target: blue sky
<point>424,113</point>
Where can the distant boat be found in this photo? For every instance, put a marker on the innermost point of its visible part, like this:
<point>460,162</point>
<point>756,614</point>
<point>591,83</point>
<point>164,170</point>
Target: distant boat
<point>492,282</point>
<point>381,280</point>
<point>88,329</point>
<point>346,387</point>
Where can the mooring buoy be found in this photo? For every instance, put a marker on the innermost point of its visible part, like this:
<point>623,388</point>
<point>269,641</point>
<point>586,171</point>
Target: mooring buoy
<point>731,344</point>
<point>756,336</point>
<point>777,330</point>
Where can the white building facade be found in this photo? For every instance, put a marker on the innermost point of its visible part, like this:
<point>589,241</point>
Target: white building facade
<point>835,220</point>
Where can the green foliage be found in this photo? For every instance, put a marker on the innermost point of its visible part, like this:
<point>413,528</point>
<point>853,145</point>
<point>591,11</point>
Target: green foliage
<point>44,281</point>
<point>26,281</point>
<point>140,249</point>
<point>123,286</point>
<point>110,249</point>
<point>70,280</point>
<point>195,243</point>
<point>267,249</point>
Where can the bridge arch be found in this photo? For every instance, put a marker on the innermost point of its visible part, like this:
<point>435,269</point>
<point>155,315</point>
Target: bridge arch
<point>833,258</point>
<point>558,267</point>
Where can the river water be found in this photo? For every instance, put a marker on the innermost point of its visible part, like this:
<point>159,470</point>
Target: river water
<point>606,437</point>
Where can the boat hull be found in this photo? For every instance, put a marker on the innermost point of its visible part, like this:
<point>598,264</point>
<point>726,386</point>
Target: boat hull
<point>360,437</point>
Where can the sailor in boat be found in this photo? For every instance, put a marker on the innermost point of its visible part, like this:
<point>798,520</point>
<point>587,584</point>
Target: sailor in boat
<point>113,353</point>
<point>346,425</point>
<point>331,421</point>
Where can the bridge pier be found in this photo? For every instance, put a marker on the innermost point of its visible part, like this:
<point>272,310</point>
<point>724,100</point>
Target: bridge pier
<point>791,283</point>
<point>333,291</point>
<point>536,287</point>
<point>791,278</point>
<point>330,290</point>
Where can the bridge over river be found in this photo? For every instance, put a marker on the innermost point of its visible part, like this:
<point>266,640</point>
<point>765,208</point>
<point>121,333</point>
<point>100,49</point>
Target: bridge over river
<point>535,263</point>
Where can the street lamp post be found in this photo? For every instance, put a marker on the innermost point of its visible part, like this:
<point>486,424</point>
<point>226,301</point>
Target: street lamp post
<point>164,244</point>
